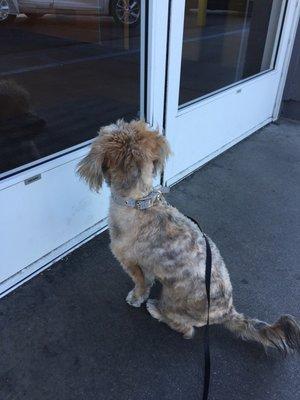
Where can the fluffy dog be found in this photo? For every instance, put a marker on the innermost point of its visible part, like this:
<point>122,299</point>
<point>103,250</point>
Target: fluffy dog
<point>158,242</point>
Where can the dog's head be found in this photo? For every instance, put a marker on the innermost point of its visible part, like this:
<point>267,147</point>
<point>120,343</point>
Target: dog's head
<point>125,155</point>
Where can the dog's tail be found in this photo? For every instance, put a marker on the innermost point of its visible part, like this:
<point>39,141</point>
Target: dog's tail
<point>284,334</point>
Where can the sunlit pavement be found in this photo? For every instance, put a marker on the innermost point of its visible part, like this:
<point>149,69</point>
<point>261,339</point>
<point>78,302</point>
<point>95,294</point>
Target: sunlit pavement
<point>28,44</point>
<point>81,28</point>
<point>52,40</point>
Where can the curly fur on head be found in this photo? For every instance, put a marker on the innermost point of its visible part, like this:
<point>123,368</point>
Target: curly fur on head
<point>120,153</point>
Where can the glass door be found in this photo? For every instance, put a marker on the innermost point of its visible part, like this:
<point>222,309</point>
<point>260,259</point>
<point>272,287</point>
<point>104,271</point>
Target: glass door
<point>66,68</point>
<point>224,68</point>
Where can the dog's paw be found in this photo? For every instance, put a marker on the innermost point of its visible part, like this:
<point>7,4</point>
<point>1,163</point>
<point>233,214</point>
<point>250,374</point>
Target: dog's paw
<point>153,309</point>
<point>134,300</point>
<point>189,334</point>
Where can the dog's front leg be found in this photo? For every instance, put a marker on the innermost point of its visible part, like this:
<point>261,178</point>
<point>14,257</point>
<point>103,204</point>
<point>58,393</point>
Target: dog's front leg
<point>140,292</point>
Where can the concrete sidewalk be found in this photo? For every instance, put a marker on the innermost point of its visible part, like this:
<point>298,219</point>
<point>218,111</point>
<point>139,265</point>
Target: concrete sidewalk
<point>69,335</point>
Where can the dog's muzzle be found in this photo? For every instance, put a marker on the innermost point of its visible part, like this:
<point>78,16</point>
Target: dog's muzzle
<point>143,203</point>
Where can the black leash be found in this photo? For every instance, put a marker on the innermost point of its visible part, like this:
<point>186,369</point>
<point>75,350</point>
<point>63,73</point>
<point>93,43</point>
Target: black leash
<point>206,332</point>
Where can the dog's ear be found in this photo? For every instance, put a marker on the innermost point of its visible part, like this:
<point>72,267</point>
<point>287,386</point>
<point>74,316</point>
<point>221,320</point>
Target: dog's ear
<point>105,153</point>
<point>90,168</point>
<point>161,153</point>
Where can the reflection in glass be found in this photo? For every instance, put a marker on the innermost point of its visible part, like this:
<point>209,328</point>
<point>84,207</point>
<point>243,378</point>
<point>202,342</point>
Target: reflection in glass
<point>226,41</point>
<point>66,67</point>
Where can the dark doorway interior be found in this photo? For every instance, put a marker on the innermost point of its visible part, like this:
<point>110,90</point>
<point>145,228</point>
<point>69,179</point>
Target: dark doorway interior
<point>291,97</point>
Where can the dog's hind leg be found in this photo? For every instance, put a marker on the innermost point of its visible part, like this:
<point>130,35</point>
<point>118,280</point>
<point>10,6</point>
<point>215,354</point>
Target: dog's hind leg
<point>152,307</point>
<point>175,321</point>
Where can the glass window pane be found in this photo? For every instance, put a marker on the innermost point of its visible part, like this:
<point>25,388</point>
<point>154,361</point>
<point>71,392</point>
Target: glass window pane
<point>66,68</point>
<point>226,41</point>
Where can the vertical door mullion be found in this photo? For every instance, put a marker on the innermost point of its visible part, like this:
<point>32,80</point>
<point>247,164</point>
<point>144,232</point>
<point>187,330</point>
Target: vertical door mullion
<point>177,10</point>
<point>143,59</point>
<point>157,50</point>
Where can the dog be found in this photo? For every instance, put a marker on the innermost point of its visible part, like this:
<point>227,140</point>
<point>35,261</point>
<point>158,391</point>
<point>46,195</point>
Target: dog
<point>153,240</point>
<point>17,120</point>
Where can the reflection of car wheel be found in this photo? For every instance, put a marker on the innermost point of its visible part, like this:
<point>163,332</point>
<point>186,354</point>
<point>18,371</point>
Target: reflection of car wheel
<point>34,15</point>
<point>5,16</point>
<point>126,12</point>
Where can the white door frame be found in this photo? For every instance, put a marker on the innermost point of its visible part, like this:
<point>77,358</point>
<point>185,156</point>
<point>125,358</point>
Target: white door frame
<point>287,54</point>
